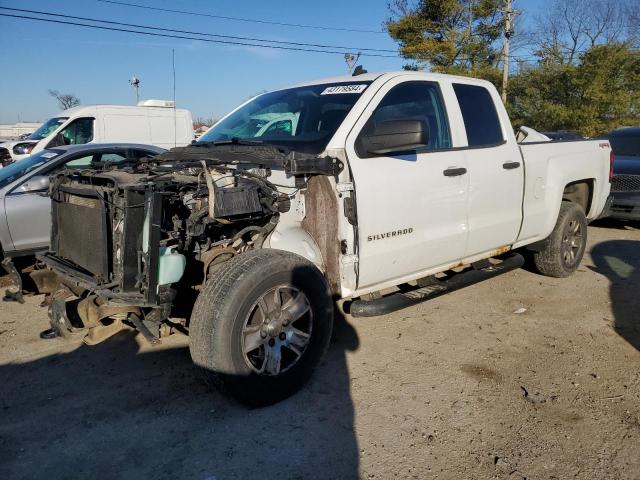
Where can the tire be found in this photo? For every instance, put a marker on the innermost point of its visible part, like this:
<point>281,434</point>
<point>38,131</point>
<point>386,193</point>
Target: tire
<point>563,250</point>
<point>229,319</point>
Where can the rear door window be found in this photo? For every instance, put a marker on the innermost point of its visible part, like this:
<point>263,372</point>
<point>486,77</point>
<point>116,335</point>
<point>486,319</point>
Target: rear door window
<point>479,114</point>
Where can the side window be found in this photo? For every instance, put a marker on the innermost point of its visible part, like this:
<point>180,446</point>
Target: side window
<point>80,162</point>
<point>111,157</point>
<point>77,132</point>
<point>88,160</point>
<point>479,114</point>
<point>414,101</point>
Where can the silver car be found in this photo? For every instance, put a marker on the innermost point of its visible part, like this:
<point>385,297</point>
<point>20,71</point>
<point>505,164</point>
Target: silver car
<point>25,207</point>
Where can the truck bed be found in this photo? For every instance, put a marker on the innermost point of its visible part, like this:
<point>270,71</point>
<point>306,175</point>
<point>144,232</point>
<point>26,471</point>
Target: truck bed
<point>549,167</point>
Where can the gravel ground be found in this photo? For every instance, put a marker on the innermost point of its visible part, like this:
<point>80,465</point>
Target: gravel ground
<point>460,387</point>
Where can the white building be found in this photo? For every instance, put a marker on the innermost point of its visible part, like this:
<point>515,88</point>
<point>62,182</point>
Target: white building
<point>17,129</point>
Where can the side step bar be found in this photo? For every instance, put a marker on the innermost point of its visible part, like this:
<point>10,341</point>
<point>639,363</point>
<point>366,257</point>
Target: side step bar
<point>399,300</point>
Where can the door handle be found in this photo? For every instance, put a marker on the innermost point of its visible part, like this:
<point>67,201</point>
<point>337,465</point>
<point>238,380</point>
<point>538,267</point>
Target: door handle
<point>510,165</point>
<point>454,171</point>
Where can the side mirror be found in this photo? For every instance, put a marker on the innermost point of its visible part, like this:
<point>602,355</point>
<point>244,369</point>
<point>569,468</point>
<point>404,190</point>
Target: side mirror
<point>396,135</point>
<point>37,183</point>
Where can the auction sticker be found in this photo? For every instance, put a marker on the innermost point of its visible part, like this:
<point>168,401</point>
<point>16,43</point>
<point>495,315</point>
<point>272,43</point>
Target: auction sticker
<point>338,89</point>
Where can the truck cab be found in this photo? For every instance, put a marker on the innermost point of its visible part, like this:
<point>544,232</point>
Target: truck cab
<point>455,197</point>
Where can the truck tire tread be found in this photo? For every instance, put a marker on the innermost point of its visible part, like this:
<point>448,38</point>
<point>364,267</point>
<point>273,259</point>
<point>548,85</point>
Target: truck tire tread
<point>213,340</point>
<point>548,260</point>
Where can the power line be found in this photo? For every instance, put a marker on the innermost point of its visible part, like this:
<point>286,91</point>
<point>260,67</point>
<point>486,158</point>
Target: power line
<point>252,39</point>
<point>241,19</point>
<point>185,37</point>
<point>527,58</point>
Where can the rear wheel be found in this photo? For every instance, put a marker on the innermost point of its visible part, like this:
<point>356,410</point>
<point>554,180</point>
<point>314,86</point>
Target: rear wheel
<point>563,250</point>
<point>262,325</point>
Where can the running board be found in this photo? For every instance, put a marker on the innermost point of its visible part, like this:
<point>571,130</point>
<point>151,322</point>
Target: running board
<point>399,300</point>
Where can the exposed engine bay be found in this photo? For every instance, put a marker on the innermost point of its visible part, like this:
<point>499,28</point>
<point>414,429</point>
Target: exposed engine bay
<point>143,239</point>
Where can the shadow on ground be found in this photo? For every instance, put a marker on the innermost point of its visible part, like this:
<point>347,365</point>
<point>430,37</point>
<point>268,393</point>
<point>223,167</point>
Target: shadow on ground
<point>111,412</point>
<point>619,261</point>
<point>614,223</point>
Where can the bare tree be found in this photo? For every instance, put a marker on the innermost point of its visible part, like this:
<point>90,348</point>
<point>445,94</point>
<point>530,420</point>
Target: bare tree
<point>632,14</point>
<point>205,121</point>
<point>65,100</point>
<point>561,31</point>
<point>571,26</point>
<point>606,21</point>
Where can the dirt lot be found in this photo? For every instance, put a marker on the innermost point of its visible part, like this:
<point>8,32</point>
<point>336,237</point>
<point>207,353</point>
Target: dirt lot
<point>434,391</point>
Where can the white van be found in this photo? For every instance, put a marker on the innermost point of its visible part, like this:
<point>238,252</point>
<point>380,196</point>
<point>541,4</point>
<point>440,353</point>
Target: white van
<point>152,122</point>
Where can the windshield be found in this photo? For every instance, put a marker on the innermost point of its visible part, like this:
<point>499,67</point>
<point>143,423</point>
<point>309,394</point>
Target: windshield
<point>625,145</point>
<point>47,128</point>
<point>22,167</point>
<point>302,119</point>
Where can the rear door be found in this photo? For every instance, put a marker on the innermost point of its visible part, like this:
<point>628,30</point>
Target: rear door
<point>496,170</point>
<point>411,213</point>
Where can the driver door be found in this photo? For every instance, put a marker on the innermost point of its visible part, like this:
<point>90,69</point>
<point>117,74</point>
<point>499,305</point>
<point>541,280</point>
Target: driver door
<point>411,205</point>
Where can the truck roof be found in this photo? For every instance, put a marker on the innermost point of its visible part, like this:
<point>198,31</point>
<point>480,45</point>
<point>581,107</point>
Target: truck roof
<point>369,77</point>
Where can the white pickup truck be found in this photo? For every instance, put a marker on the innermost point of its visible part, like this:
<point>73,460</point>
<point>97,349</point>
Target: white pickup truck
<point>391,189</point>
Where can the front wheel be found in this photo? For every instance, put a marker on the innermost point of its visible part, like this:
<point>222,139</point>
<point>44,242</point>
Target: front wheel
<point>261,326</point>
<point>563,250</point>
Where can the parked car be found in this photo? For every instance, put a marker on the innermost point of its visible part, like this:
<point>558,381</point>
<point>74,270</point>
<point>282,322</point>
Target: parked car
<point>25,206</point>
<point>152,122</point>
<point>625,186</point>
<point>399,179</point>
<point>563,135</point>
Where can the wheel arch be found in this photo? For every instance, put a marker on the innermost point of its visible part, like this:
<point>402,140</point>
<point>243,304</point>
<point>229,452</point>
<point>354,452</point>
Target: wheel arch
<point>315,235</point>
<point>579,192</point>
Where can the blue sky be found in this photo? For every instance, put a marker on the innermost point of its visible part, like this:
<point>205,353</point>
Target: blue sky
<point>211,79</point>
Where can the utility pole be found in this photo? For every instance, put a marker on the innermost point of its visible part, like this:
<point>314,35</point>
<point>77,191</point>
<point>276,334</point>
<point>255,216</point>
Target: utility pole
<point>509,15</point>
<point>351,60</point>
<point>469,32</point>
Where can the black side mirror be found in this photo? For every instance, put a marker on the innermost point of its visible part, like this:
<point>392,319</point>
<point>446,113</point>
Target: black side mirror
<point>396,135</point>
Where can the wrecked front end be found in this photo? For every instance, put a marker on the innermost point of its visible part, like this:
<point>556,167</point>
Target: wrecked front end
<point>132,248</point>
